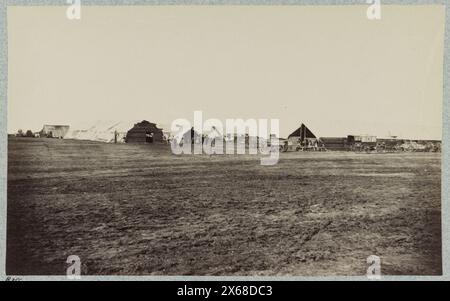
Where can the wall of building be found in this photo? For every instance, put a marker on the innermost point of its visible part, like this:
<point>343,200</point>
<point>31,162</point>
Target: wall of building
<point>138,134</point>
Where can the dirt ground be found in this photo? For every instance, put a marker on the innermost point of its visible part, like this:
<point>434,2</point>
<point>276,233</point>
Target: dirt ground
<point>139,210</point>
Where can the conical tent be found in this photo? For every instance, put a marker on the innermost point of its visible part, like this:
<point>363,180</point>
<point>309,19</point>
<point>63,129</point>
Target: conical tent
<point>302,132</point>
<point>190,136</point>
<point>195,136</point>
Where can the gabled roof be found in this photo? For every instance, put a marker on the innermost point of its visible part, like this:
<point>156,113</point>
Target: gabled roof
<point>302,132</point>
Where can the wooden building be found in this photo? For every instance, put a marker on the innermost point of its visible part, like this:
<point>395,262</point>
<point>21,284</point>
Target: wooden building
<point>144,132</point>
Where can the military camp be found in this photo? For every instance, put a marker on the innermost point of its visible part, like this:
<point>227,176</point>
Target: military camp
<point>129,195</point>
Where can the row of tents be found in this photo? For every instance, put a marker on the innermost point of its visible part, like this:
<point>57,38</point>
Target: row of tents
<point>107,131</point>
<point>300,139</point>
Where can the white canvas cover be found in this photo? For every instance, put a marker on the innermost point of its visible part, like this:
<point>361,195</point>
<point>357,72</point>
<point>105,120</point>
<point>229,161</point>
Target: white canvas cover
<point>103,131</point>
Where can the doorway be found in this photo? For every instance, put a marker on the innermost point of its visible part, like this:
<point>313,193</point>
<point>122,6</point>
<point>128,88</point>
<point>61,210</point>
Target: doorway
<point>148,137</point>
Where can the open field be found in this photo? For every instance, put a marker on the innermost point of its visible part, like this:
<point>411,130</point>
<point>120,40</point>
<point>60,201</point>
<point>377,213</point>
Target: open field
<point>139,210</point>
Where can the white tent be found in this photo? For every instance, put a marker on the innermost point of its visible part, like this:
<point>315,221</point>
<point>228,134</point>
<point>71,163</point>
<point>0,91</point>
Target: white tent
<point>212,133</point>
<point>104,131</point>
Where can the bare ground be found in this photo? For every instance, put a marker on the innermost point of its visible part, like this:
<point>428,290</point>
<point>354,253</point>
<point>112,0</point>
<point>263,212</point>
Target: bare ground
<point>138,210</point>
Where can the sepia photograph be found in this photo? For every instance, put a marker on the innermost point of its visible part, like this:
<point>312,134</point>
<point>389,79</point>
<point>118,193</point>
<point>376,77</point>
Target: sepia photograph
<point>224,140</point>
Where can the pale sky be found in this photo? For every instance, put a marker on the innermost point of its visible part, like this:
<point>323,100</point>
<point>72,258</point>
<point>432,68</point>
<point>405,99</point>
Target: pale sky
<point>326,66</point>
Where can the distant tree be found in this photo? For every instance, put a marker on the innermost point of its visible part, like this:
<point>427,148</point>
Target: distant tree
<point>19,133</point>
<point>29,134</point>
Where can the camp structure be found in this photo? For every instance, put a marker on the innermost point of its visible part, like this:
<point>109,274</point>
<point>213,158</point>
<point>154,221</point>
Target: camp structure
<point>54,131</point>
<point>212,133</point>
<point>302,138</point>
<point>335,143</point>
<point>102,131</point>
<point>191,136</point>
<point>166,130</point>
<point>362,142</point>
<point>144,132</point>
<point>302,133</point>
<point>181,136</point>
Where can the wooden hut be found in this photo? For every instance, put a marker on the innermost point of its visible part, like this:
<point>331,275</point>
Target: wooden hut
<point>144,132</point>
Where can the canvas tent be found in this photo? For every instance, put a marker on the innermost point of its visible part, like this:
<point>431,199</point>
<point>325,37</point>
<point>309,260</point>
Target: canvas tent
<point>193,136</point>
<point>54,131</point>
<point>302,133</point>
<point>103,131</point>
<point>190,135</point>
<point>212,133</point>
